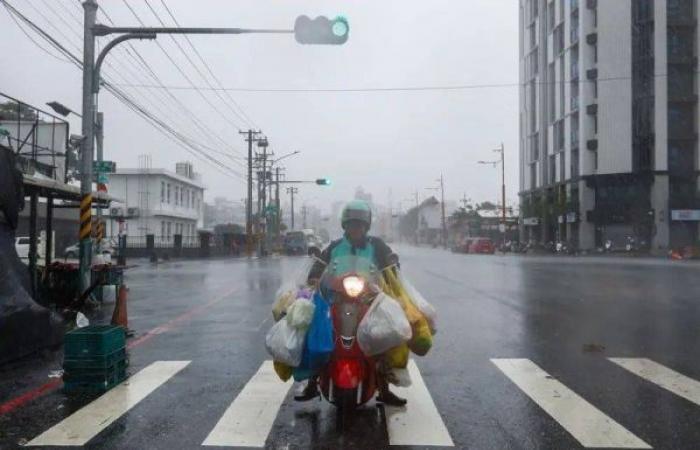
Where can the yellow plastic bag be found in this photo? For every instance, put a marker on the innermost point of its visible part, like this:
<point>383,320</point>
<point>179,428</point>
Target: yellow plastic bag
<point>282,370</point>
<point>279,309</point>
<point>422,339</point>
<point>391,285</point>
<point>397,357</point>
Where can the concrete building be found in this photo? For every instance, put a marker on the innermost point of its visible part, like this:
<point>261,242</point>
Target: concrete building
<point>608,121</point>
<point>157,202</point>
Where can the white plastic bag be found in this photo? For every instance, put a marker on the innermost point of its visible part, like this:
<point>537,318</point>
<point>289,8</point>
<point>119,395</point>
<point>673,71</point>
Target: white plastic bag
<point>285,343</point>
<point>384,327</point>
<point>420,302</point>
<point>293,286</point>
<point>300,313</point>
<point>399,377</point>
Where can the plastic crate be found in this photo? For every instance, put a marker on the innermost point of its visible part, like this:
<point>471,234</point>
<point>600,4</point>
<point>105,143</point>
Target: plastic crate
<point>96,362</point>
<point>94,382</point>
<point>93,340</point>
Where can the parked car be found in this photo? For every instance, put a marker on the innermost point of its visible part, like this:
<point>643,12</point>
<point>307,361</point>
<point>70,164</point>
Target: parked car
<point>22,246</point>
<point>482,246</point>
<point>73,251</point>
<point>295,243</point>
<point>313,244</point>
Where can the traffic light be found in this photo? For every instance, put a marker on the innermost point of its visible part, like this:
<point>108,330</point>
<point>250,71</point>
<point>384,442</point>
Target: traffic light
<point>323,182</point>
<point>321,30</point>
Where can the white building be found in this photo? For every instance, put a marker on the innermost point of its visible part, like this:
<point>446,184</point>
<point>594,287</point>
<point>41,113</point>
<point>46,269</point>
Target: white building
<point>157,202</point>
<point>608,121</point>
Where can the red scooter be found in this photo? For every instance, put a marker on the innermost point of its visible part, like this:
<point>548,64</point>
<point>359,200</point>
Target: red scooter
<point>349,379</point>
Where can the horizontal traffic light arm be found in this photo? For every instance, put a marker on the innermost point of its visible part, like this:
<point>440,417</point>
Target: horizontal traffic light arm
<point>104,30</point>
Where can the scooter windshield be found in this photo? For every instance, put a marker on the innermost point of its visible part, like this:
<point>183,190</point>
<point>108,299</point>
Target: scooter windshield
<point>349,266</point>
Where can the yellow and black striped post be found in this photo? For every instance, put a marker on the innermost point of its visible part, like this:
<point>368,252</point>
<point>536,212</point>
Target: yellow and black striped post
<point>86,217</point>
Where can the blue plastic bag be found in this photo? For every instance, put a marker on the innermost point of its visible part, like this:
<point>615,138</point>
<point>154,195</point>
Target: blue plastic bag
<point>319,341</point>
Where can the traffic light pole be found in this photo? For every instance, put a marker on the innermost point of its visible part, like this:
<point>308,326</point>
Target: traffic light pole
<point>291,191</point>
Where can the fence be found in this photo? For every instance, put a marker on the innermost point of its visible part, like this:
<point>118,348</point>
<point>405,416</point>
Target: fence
<point>179,246</point>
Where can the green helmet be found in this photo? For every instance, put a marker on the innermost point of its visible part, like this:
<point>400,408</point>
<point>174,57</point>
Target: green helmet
<point>357,210</point>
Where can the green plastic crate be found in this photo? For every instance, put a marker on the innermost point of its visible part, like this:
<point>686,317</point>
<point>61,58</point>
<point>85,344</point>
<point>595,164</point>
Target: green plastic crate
<point>93,340</point>
<point>94,362</point>
<point>96,383</point>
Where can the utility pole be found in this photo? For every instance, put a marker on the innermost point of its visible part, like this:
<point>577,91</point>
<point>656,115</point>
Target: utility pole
<point>291,191</point>
<point>503,192</point>
<point>88,143</point>
<point>278,216</point>
<point>303,216</point>
<point>249,200</point>
<point>444,219</point>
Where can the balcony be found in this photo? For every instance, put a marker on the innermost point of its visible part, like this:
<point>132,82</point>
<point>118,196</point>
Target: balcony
<point>592,109</point>
<point>574,103</point>
<point>592,38</point>
<point>574,139</point>
<point>573,34</point>
<point>574,70</point>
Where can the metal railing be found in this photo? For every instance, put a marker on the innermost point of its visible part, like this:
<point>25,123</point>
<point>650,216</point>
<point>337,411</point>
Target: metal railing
<point>39,138</point>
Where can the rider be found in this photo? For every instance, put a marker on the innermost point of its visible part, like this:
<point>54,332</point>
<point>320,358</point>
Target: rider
<point>356,220</point>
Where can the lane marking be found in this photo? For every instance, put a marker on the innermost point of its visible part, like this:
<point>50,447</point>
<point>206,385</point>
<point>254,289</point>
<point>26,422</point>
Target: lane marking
<point>419,423</point>
<point>249,418</point>
<point>586,423</point>
<point>662,376</point>
<point>21,400</point>
<point>88,421</point>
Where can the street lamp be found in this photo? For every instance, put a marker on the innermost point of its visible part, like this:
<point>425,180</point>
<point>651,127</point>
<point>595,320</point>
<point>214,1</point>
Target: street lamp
<point>501,150</point>
<point>62,109</point>
<point>296,152</point>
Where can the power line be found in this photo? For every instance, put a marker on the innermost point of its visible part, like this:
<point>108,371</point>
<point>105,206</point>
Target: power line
<point>458,87</point>
<point>21,28</point>
<point>153,120</point>
<point>206,65</point>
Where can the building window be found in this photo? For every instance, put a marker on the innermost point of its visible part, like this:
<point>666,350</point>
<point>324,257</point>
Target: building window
<point>168,229</point>
<point>182,196</point>
<point>162,230</point>
<point>562,166</point>
<point>168,192</point>
<point>559,137</point>
<point>533,175</point>
<point>562,88</point>
<point>551,16</point>
<point>533,35</point>
<point>558,39</point>
<point>162,191</point>
<point>552,93</point>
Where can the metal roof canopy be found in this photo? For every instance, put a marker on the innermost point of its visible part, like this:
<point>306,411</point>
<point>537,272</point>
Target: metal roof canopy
<point>62,191</point>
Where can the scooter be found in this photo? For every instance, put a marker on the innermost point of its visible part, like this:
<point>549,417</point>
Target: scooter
<point>349,379</point>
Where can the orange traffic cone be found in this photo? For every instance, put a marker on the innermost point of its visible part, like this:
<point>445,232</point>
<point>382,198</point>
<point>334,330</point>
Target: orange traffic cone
<point>119,316</point>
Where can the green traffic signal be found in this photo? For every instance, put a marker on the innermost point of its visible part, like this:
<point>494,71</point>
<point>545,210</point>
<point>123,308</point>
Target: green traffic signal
<point>323,182</point>
<point>321,30</point>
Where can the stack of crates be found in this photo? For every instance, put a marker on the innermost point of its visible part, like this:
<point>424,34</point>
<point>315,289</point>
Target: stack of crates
<point>94,358</point>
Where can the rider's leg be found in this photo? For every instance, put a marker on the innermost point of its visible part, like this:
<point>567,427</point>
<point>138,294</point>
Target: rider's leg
<point>310,391</point>
<point>385,395</point>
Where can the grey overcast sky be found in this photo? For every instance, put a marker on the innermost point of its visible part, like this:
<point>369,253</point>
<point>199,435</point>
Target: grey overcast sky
<point>398,140</point>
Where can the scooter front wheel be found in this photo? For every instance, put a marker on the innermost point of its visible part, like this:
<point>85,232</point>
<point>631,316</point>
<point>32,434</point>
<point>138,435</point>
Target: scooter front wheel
<point>345,401</point>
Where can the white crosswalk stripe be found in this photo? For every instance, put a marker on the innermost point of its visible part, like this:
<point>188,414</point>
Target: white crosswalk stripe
<point>249,419</point>
<point>88,421</point>
<point>419,423</point>
<point>587,424</point>
<point>662,376</point>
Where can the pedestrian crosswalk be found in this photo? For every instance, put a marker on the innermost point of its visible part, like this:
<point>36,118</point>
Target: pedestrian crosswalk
<point>248,419</point>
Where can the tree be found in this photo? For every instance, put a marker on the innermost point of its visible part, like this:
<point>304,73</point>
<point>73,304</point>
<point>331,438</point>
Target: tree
<point>10,110</point>
<point>486,206</point>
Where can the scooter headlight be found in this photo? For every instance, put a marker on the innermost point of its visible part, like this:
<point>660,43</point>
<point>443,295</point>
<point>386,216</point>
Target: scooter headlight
<point>353,286</point>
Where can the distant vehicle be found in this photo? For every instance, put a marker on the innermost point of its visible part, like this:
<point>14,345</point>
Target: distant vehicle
<point>296,243</point>
<point>314,244</point>
<point>73,251</point>
<point>482,246</point>
<point>22,246</point>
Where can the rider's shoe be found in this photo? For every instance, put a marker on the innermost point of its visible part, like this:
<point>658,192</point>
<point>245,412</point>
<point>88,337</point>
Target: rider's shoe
<point>389,398</point>
<point>310,392</point>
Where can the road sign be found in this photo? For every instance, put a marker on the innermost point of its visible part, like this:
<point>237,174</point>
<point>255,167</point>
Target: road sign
<point>102,178</point>
<point>104,166</point>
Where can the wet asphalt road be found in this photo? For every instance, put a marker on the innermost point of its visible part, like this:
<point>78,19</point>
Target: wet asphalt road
<point>566,315</point>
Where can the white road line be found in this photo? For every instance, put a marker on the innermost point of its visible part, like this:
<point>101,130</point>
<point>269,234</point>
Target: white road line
<point>419,423</point>
<point>662,376</point>
<point>248,420</point>
<point>88,421</point>
<point>590,426</point>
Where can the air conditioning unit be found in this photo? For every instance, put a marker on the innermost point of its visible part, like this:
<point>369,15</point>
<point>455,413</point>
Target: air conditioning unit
<point>132,212</point>
<point>116,212</point>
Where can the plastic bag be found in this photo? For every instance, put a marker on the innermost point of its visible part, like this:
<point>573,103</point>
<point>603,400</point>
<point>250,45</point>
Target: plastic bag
<point>320,339</point>
<point>397,357</point>
<point>282,370</point>
<point>383,327</point>
<point>285,343</point>
<point>422,339</point>
<point>420,302</point>
<point>294,285</point>
<point>300,313</point>
<point>391,285</point>
<point>399,377</point>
